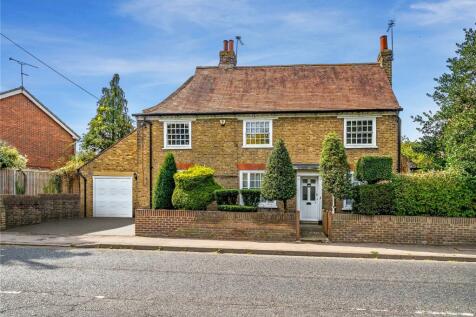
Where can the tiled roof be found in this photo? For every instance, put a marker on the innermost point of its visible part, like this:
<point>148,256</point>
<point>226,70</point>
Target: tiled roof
<point>292,88</point>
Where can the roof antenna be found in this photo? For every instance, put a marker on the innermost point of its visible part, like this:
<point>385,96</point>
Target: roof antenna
<point>21,68</point>
<point>390,26</point>
<point>238,43</point>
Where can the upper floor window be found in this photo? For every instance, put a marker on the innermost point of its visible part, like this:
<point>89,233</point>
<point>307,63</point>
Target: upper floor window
<point>360,132</point>
<point>178,135</point>
<point>257,133</point>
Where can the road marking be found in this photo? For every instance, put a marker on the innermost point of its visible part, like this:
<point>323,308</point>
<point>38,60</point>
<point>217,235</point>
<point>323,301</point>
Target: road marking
<point>443,313</point>
<point>99,297</point>
<point>10,292</point>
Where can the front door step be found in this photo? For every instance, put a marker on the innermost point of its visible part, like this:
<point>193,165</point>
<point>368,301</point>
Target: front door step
<point>313,232</point>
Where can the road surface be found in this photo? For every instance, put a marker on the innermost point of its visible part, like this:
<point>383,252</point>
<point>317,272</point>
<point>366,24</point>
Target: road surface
<point>98,282</point>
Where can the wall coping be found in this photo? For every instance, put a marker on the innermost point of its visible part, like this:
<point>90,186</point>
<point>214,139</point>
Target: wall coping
<point>402,219</point>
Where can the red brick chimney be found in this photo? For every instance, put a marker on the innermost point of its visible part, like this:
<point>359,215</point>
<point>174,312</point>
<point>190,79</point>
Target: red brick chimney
<point>227,56</point>
<point>385,57</point>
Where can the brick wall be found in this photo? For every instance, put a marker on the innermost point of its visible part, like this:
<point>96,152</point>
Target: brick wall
<point>264,226</point>
<point>19,210</point>
<point>342,227</point>
<point>221,147</point>
<point>118,160</point>
<point>26,127</point>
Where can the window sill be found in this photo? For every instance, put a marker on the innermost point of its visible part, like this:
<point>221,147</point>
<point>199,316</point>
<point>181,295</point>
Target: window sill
<point>347,209</point>
<point>361,147</point>
<point>177,148</point>
<point>258,146</point>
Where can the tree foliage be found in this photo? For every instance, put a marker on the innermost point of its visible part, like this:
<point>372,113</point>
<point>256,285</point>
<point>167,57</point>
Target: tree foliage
<point>10,157</point>
<point>423,161</point>
<point>75,162</point>
<point>335,170</point>
<point>280,178</point>
<point>448,135</point>
<point>112,122</point>
<point>165,184</point>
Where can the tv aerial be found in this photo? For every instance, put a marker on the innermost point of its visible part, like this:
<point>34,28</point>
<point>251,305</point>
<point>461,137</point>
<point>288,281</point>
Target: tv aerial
<point>21,68</point>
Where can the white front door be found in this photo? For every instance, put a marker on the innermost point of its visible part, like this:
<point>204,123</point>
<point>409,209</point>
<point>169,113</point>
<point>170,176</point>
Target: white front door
<point>112,196</point>
<point>309,198</point>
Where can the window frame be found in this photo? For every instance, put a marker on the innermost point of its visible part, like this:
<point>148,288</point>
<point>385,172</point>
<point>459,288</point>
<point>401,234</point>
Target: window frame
<point>182,147</point>
<point>363,145</point>
<point>263,204</point>
<point>348,202</point>
<point>270,145</point>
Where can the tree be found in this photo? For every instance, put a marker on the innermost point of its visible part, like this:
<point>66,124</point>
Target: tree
<point>165,185</point>
<point>449,133</point>
<point>111,122</point>
<point>423,161</point>
<point>280,178</point>
<point>10,157</point>
<point>335,170</point>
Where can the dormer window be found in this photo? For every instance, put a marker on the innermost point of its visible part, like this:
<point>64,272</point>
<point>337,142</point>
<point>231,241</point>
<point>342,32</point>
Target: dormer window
<point>257,133</point>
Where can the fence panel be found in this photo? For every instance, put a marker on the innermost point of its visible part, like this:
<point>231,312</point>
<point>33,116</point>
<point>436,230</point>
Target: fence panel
<point>35,181</point>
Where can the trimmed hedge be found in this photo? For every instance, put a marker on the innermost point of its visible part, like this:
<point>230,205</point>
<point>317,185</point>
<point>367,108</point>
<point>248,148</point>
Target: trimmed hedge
<point>226,196</point>
<point>435,194</point>
<point>238,208</point>
<point>194,188</point>
<point>251,197</point>
<point>372,169</point>
<point>374,199</point>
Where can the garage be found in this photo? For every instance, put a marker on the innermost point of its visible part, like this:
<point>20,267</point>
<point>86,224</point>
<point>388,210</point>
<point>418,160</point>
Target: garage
<point>112,196</point>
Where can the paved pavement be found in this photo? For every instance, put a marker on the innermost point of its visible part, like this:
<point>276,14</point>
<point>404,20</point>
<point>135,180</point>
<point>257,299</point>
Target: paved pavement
<point>119,233</point>
<point>98,282</point>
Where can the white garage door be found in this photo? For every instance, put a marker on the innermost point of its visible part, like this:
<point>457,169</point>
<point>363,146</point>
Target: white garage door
<point>112,196</point>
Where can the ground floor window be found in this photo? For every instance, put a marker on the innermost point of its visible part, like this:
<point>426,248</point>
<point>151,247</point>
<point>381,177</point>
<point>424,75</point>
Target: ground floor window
<point>347,202</point>
<point>254,180</point>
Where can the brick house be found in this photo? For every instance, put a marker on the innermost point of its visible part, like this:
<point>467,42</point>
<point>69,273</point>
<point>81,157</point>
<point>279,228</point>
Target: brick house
<point>34,130</point>
<point>227,117</point>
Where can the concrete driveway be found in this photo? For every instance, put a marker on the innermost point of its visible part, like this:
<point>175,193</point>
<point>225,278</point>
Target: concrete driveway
<point>81,226</point>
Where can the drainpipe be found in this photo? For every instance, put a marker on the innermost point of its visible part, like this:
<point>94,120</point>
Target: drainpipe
<point>399,143</point>
<point>84,192</point>
<point>150,163</point>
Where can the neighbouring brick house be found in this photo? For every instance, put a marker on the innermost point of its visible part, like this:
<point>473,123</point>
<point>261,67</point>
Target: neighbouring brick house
<point>227,117</point>
<point>34,130</point>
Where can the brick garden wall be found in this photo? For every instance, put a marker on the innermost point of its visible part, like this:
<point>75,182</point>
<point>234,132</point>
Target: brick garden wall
<point>263,226</point>
<point>342,227</point>
<point>19,210</point>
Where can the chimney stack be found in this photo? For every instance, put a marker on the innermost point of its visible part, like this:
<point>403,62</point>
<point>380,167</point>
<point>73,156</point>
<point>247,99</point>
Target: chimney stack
<point>227,56</point>
<point>385,57</point>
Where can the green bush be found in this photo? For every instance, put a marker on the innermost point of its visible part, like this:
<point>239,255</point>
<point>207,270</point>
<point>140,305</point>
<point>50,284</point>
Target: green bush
<point>226,196</point>
<point>372,169</point>
<point>10,157</point>
<point>251,197</point>
<point>237,208</point>
<point>436,194</point>
<point>194,188</point>
<point>374,199</point>
<point>54,185</point>
<point>165,185</point>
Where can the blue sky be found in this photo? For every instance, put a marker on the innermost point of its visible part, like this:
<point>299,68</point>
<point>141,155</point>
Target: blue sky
<point>155,45</point>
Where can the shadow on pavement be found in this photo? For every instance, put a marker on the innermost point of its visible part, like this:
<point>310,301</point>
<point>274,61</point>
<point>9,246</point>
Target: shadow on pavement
<point>32,256</point>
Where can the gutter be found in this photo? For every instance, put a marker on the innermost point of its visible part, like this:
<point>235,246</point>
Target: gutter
<point>260,112</point>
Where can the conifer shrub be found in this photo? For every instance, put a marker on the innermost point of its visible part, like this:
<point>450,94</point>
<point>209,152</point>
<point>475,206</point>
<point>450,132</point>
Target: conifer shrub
<point>165,184</point>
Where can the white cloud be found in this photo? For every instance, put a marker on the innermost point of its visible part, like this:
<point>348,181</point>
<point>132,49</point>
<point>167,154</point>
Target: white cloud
<point>442,12</point>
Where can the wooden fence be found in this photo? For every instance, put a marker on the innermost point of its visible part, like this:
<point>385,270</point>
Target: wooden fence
<point>33,181</point>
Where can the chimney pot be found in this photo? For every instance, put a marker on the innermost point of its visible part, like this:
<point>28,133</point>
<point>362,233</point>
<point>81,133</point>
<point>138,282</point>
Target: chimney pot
<point>383,43</point>
<point>225,45</point>
<point>230,46</point>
